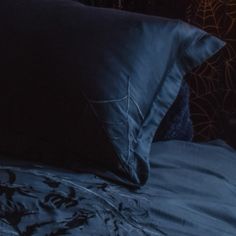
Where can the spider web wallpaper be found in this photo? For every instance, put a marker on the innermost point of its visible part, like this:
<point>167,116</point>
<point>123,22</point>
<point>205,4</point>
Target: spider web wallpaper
<point>212,85</point>
<point>229,82</point>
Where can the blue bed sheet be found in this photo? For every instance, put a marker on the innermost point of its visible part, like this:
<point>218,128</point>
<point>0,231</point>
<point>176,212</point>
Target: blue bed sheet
<point>191,191</point>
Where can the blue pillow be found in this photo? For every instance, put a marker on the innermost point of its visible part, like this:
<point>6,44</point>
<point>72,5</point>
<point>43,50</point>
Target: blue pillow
<point>92,84</point>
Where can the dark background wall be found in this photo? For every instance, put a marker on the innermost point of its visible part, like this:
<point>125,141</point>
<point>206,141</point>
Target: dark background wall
<point>213,85</point>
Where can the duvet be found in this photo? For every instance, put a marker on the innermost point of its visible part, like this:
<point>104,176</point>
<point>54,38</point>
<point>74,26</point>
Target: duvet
<point>191,191</point>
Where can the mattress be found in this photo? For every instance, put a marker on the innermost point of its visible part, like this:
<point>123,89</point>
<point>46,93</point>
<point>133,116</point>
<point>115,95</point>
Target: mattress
<point>191,191</point>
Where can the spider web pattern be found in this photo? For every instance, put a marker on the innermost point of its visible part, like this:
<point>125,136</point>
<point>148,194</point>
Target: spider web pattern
<point>213,85</point>
<point>229,85</point>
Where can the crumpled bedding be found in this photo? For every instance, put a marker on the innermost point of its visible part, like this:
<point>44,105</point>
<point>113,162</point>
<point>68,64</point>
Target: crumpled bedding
<point>191,191</point>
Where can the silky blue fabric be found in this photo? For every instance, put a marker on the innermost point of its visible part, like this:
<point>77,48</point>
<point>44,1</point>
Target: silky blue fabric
<point>191,191</point>
<point>74,74</point>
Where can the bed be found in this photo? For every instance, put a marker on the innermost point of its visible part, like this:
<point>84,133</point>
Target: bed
<point>191,191</point>
<point>95,126</point>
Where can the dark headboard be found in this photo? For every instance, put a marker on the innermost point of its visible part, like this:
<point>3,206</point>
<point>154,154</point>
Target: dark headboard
<point>168,8</point>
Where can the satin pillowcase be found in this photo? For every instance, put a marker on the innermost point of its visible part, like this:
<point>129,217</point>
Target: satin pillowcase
<point>94,84</point>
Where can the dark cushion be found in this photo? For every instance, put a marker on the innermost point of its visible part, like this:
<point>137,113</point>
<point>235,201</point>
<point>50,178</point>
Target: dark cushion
<point>177,123</point>
<point>78,77</point>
